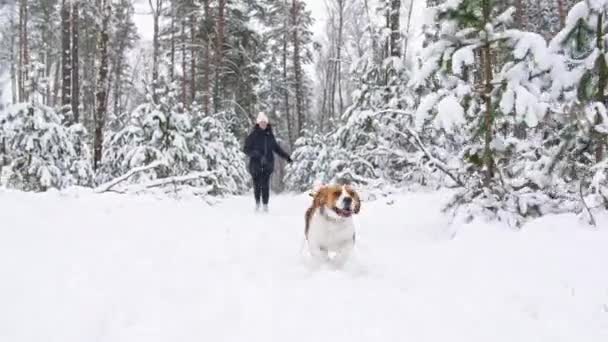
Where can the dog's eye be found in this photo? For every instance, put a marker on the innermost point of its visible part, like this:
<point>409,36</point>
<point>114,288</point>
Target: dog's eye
<point>337,193</point>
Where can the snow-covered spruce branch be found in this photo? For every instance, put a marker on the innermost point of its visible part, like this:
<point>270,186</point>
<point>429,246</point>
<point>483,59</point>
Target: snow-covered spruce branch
<point>109,185</point>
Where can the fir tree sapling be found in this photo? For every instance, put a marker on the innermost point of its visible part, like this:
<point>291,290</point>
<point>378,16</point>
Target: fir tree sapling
<point>41,152</point>
<point>182,142</point>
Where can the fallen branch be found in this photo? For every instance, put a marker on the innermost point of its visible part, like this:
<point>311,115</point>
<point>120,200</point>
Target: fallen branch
<point>109,185</point>
<point>171,180</point>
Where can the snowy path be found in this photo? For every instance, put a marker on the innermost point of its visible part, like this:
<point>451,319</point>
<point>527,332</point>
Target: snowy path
<point>116,268</point>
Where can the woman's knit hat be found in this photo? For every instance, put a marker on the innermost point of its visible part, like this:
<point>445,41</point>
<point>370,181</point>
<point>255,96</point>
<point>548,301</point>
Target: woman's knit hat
<point>262,118</point>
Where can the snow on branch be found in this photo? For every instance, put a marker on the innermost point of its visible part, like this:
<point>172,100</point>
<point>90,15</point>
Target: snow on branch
<point>171,180</point>
<point>109,185</point>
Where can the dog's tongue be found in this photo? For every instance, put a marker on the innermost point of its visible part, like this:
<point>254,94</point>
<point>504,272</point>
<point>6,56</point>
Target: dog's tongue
<point>344,212</point>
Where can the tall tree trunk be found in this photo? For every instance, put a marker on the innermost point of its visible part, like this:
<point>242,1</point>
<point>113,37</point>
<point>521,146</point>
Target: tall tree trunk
<point>487,95</point>
<point>48,63</point>
<point>172,42</point>
<point>102,84</point>
<point>13,60</point>
<point>219,54</point>
<point>26,51</point>
<point>394,26</point>
<point>20,57</point>
<point>66,54</point>
<point>299,89</point>
<point>192,56</point>
<point>377,56</point>
<point>407,27</point>
<point>207,58</point>
<point>184,63</point>
<point>561,10</point>
<point>75,62</point>
<point>156,13</point>
<point>23,51</point>
<point>331,71</point>
<point>339,56</point>
<point>519,14</point>
<point>117,89</point>
<point>285,77</point>
<point>602,82</point>
<point>56,83</point>
<point>121,41</point>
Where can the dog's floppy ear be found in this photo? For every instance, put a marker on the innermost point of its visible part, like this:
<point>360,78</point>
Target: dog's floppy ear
<point>315,189</point>
<point>319,197</point>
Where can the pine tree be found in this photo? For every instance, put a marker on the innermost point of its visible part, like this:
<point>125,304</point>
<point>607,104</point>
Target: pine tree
<point>477,100</point>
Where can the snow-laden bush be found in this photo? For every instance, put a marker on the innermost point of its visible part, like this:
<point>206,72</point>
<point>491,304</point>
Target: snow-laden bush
<point>39,152</point>
<point>315,159</point>
<point>182,147</point>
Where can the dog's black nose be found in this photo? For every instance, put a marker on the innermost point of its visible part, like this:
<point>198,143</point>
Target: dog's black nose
<point>347,202</point>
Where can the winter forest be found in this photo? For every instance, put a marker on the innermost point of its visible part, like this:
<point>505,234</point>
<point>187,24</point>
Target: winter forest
<point>473,135</point>
<point>503,102</point>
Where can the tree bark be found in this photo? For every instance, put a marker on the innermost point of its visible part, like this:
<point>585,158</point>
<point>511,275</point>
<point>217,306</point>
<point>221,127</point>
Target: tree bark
<point>13,61</point>
<point>394,26</point>
<point>101,96</point>
<point>285,75</point>
<point>339,56</point>
<point>23,52</point>
<point>66,60</point>
<point>172,42</point>
<point>184,62</point>
<point>207,58</point>
<point>488,117</point>
<point>602,82</point>
<point>192,56</point>
<point>561,10</point>
<point>156,13</point>
<point>75,62</point>
<point>297,69</point>
<point>219,54</point>
<point>407,27</point>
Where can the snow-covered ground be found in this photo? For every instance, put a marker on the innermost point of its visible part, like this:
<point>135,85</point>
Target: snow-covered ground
<point>82,267</point>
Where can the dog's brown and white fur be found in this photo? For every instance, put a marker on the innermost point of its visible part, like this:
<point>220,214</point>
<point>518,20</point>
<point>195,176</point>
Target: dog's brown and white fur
<point>329,223</point>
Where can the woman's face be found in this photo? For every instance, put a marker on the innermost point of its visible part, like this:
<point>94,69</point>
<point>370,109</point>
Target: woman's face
<point>263,124</point>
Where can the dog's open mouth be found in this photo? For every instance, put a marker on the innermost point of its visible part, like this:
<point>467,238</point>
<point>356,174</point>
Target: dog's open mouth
<point>343,212</point>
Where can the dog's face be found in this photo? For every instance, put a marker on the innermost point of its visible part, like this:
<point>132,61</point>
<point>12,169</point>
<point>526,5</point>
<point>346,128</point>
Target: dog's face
<point>339,201</point>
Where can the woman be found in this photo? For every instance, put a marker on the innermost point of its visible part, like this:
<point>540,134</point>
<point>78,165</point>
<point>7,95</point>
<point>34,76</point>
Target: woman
<point>260,146</point>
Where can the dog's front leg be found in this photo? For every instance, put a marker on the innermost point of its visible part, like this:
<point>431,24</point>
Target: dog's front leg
<point>319,252</point>
<point>343,252</point>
